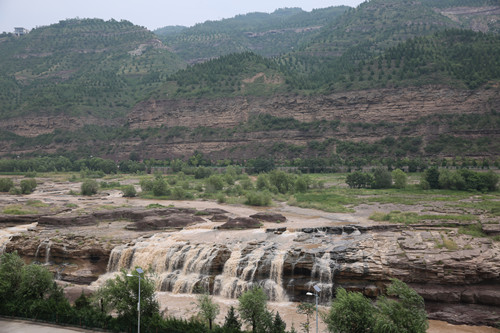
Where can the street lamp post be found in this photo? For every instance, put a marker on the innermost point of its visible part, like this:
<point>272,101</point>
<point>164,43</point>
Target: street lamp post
<point>139,271</point>
<point>316,294</point>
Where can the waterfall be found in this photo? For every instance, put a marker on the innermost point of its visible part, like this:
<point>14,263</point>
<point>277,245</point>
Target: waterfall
<point>47,252</point>
<point>228,270</point>
<point>322,275</point>
<point>47,244</point>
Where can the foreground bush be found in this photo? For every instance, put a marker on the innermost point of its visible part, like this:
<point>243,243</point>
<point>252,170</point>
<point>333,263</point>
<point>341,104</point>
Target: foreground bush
<point>352,312</point>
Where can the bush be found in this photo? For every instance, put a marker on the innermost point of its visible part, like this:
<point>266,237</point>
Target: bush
<point>129,191</point>
<point>89,187</point>
<point>263,182</point>
<point>28,185</point>
<point>15,191</point>
<point>202,172</point>
<point>146,185</point>
<point>400,178</point>
<point>258,199</point>
<point>382,178</point>
<point>160,187</point>
<point>214,183</point>
<point>6,184</point>
<point>359,179</point>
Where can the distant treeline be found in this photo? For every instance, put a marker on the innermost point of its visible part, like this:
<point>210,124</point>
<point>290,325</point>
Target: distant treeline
<point>100,166</point>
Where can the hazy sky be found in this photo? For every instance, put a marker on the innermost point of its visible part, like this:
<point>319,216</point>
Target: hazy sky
<point>149,13</point>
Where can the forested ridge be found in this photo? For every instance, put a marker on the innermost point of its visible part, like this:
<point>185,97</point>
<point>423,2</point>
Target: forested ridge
<point>81,66</point>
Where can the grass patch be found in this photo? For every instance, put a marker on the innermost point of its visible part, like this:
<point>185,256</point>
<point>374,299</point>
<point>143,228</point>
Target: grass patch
<point>155,205</point>
<point>36,203</point>
<point>412,217</point>
<point>326,201</point>
<point>447,243</point>
<point>474,230</point>
<point>17,210</point>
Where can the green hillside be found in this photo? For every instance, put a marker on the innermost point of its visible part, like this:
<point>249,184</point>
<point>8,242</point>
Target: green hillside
<point>79,67</point>
<point>265,34</point>
<point>235,74</point>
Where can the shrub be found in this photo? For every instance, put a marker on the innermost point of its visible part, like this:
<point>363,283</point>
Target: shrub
<point>359,179</point>
<point>6,184</point>
<point>301,184</point>
<point>246,184</point>
<point>202,172</point>
<point>129,191</point>
<point>258,198</point>
<point>382,178</point>
<point>89,187</point>
<point>160,186</point>
<point>400,178</point>
<point>28,185</point>
<point>146,185</point>
<point>262,182</point>
<point>214,183</point>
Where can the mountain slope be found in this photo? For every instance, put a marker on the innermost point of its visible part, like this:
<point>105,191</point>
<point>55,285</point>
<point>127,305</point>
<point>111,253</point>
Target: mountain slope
<point>265,34</point>
<point>80,67</point>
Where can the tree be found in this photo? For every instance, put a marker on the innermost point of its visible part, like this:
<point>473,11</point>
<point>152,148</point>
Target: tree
<point>350,312</point>
<point>10,277</point>
<point>120,295</point>
<point>307,309</point>
<point>432,177</point>
<point>36,282</point>
<point>382,178</point>
<point>208,309</point>
<point>400,178</point>
<point>231,323</point>
<point>252,306</point>
<point>407,314</point>
<point>279,325</point>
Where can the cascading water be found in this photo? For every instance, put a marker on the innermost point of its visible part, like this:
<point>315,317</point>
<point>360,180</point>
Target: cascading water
<point>187,264</point>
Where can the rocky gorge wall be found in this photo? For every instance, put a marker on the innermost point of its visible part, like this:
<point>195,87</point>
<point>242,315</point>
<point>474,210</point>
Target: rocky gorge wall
<point>390,106</point>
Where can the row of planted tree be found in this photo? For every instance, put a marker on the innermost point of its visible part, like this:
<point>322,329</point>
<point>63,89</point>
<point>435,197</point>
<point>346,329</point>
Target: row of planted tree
<point>101,166</point>
<point>29,291</point>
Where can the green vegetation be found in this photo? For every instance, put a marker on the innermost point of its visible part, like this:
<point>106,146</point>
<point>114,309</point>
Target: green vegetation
<point>27,185</point>
<point>462,179</point>
<point>267,34</point>
<point>6,184</point>
<point>352,312</point>
<point>81,66</point>
<point>89,187</point>
<point>412,217</point>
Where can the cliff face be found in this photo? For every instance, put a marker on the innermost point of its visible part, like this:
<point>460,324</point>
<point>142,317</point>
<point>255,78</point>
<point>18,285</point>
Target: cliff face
<point>401,108</point>
<point>390,105</point>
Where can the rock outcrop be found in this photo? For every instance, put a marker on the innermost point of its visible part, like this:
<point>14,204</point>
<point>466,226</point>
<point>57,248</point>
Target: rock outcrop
<point>447,269</point>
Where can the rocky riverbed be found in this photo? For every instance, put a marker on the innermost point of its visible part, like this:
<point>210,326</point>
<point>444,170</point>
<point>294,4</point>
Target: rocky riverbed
<point>227,248</point>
